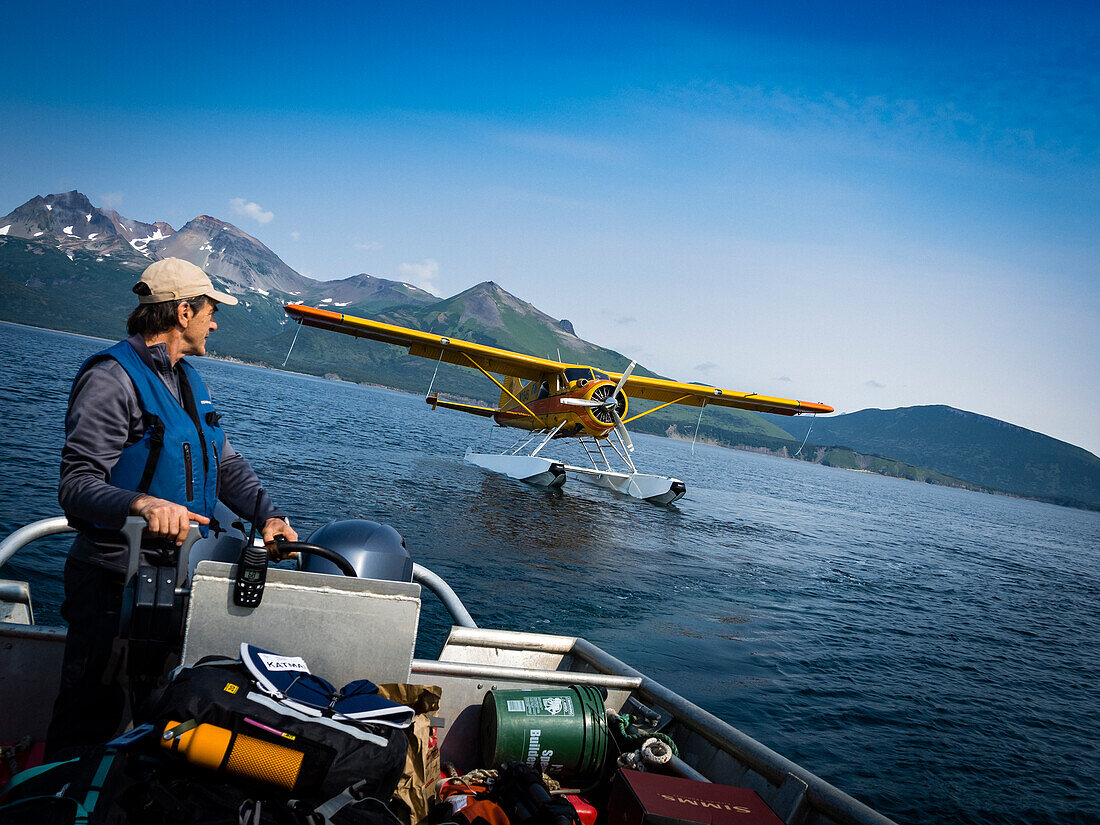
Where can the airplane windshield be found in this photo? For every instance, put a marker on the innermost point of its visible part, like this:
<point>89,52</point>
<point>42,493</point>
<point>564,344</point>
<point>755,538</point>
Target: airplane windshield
<point>601,376</point>
<point>578,374</point>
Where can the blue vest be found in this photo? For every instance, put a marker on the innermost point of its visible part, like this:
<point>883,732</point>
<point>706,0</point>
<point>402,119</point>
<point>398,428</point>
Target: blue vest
<point>177,457</point>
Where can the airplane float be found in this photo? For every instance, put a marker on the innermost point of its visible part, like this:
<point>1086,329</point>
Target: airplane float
<point>550,399</point>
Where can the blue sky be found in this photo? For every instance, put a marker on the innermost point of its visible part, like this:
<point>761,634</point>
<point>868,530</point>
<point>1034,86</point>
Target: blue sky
<point>867,204</point>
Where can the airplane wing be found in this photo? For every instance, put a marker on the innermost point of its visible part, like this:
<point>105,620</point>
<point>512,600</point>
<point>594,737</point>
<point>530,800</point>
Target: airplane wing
<point>429,345</point>
<point>530,368</point>
<point>694,395</point>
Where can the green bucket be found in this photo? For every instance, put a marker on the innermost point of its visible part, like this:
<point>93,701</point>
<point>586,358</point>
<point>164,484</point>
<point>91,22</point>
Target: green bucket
<point>561,731</point>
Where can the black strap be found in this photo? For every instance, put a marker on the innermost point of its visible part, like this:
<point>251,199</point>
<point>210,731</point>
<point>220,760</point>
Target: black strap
<point>228,749</point>
<point>173,733</point>
<point>156,444</point>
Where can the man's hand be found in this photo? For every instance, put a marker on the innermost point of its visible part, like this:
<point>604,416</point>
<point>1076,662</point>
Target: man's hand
<point>165,519</point>
<point>277,527</point>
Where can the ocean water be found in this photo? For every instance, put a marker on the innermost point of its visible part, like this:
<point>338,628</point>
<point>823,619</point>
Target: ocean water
<point>934,652</point>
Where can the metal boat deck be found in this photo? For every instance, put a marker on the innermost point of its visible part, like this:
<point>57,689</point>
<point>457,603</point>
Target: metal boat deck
<point>472,661</point>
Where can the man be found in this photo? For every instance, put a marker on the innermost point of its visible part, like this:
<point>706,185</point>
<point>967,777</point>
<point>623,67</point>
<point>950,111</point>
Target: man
<point>142,439</point>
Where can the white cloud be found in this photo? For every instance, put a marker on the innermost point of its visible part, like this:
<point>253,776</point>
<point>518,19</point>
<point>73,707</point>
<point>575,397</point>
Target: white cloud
<point>250,209</point>
<point>296,235</point>
<point>369,246</point>
<point>422,275</point>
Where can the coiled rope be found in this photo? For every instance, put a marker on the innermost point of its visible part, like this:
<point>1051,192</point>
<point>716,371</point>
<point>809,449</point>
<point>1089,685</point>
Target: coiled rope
<point>623,721</point>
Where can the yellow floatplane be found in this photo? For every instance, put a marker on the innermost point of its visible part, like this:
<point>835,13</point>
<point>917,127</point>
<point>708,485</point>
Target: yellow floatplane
<point>552,399</point>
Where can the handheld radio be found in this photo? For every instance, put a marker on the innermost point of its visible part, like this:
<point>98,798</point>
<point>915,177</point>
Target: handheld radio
<point>248,587</point>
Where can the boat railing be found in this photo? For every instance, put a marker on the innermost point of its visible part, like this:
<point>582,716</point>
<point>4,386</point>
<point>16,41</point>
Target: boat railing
<point>798,785</point>
<point>32,532</point>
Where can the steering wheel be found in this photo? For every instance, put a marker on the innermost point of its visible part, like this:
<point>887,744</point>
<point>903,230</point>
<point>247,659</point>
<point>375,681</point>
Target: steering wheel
<point>318,550</point>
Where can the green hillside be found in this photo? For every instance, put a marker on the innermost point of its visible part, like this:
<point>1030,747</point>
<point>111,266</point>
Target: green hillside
<point>984,451</point>
<point>43,287</point>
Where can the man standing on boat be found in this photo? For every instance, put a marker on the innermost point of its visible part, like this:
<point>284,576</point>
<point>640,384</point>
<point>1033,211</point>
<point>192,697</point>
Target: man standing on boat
<point>141,439</point>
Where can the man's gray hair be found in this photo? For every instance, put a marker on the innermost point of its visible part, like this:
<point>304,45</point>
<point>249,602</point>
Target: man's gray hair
<point>152,319</point>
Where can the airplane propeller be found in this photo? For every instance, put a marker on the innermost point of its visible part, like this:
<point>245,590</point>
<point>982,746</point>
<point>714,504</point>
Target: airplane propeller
<point>625,376</point>
<point>620,427</point>
<point>610,405</point>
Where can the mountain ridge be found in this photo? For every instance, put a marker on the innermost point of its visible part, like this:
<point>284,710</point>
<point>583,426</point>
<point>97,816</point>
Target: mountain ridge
<point>41,250</point>
<point>987,451</point>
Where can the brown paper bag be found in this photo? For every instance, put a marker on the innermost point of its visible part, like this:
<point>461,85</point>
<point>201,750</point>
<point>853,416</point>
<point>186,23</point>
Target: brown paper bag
<point>422,758</point>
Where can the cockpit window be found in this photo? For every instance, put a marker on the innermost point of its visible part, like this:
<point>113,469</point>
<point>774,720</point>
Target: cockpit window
<point>578,374</point>
<point>601,376</point>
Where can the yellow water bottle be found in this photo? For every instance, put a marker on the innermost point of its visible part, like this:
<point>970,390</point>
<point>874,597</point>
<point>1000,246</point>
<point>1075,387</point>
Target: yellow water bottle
<point>217,748</point>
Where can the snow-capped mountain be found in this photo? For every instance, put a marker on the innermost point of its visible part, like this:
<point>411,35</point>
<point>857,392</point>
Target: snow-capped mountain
<point>69,221</point>
<point>231,256</point>
<point>235,261</point>
<point>136,233</point>
<point>363,287</point>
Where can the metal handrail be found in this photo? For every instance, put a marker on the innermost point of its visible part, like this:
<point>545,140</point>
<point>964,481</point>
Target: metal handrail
<point>435,667</point>
<point>58,524</point>
<point>32,532</point>
<point>451,601</point>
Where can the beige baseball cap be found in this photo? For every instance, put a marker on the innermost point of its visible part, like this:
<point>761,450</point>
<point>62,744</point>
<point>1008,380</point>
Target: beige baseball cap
<point>171,279</point>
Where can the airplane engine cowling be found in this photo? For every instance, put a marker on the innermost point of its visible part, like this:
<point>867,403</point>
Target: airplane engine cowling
<point>601,392</point>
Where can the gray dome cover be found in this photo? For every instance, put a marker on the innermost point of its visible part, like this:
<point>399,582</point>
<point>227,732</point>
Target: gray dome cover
<point>376,551</point>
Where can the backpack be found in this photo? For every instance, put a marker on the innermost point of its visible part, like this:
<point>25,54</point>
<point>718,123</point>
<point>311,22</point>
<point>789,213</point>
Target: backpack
<point>271,742</point>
